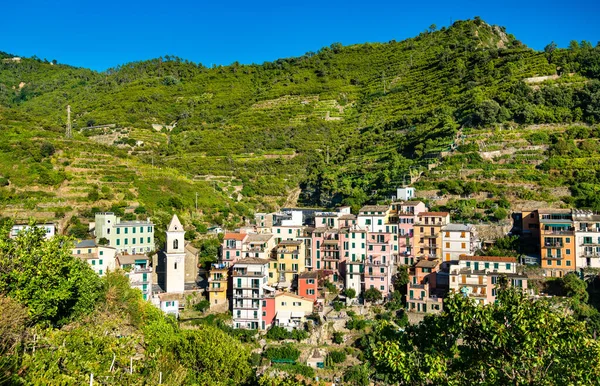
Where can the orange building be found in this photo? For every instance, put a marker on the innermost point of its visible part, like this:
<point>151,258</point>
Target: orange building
<point>557,241</point>
<point>308,284</point>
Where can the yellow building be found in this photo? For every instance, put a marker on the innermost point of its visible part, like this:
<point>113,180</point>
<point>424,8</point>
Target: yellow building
<point>288,260</point>
<point>428,233</point>
<point>291,310</point>
<point>217,286</point>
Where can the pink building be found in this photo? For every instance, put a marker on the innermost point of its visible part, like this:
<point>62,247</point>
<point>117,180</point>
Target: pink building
<point>378,274</point>
<point>231,249</point>
<point>405,215</point>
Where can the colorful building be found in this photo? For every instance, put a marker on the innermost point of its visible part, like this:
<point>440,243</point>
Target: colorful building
<point>217,285</point>
<point>423,293</point>
<point>249,276</point>
<point>457,240</point>
<point>101,258</point>
<point>131,237</point>
<point>587,239</point>
<point>557,241</point>
<point>308,285</point>
<point>428,233</point>
<point>290,261</point>
<point>479,276</point>
<point>291,310</point>
<point>231,249</point>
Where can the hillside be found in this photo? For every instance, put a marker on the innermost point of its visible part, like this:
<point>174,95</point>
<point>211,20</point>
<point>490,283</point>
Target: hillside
<point>343,125</point>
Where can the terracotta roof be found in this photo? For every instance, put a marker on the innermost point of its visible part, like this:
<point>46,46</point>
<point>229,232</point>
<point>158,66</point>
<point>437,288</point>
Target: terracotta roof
<point>498,259</point>
<point>428,263</point>
<point>252,260</point>
<point>348,217</point>
<point>235,236</point>
<point>309,275</point>
<point>294,296</point>
<point>374,208</point>
<point>259,238</point>
<point>431,214</point>
<point>290,242</point>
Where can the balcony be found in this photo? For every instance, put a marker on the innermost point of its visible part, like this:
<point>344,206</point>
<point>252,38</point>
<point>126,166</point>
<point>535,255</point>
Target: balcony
<point>431,236</point>
<point>216,289</point>
<point>416,286</point>
<point>217,279</point>
<point>246,273</point>
<point>553,245</point>
<point>557,232</point>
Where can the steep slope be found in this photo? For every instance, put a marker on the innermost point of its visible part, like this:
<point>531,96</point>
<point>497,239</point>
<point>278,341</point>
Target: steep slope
<point>346,124</point>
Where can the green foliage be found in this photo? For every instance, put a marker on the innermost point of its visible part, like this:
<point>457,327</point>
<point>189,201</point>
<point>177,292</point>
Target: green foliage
<point>338,337</point>
<point>280,333</point>
<point>43,275</point>
<point>331,288</point>
<point>350,293</point>
<point>372,295</point>
<point>357,375</point>
<point>502,343</point>
<point>283,352</point>
<point>335,356</point>
<point>202,305</point>
<point>214,357</point>
<point>296,368</point>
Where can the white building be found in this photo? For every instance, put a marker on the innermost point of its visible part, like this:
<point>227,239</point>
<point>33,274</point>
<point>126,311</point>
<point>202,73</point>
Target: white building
<point>101,258</point>
<point>49,229</point>
<point>131,237</point>
<point>137,269</point>
<point>250,277</point>
<point>175,257</point>
<point>405,194</point>
<point>587,239</point>
<point>374,218</point>
<point>458,239</point>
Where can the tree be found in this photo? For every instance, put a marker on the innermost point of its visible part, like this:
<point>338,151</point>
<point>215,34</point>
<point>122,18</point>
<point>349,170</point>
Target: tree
<point>550,47</point>
<point>372,295</point>
<point>46,277</point>
<point>350,293</point>
<point>514,341</point>
<point>215,357</point>
<point>432,28</point>
<point>357,375</point>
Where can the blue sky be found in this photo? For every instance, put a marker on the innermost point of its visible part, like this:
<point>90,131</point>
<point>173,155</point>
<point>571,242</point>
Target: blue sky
<point>103,34</point>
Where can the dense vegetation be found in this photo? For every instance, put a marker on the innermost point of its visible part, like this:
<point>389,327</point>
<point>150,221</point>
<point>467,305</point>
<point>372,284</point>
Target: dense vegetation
<point>345,124</point>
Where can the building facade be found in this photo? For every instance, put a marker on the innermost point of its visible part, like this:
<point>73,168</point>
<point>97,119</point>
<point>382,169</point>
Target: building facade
<point>131,237</point>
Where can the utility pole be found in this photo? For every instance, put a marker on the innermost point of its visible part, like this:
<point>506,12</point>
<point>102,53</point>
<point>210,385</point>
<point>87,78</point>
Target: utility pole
<point>68,134</point>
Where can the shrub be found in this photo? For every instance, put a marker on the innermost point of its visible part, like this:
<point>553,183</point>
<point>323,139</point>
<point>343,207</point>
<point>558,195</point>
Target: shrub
<point>286,351</point>
<point>338,306</point>
<point>372,294</point>
<point>335,357</point>
<point>202,306</point>
<point>338,337</point>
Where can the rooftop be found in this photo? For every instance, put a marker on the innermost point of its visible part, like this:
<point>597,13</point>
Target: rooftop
<point>433,214</point>
<point>309,275</point>
<point>458,227</point>
<point>175,225</point>
<point>130,259</point>
<point>428,263</point>
<point>497,259</point>
<point>374,208</point>
<point>252,260</point>
<point>290,242</point>
<point>86,244</point>
<point>259,238</point>
<point>235,236</point>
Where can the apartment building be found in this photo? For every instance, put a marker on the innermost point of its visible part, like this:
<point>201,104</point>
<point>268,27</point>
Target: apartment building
<point>259,245</point>
<point>557,241</point>
<point>428,233</point>
<point>217,285</point>
<point>232,247</point>
<point>423,293</point>
<point>101,258</point>
<point>249,277</point>
<point>308,285</point>
<point>457,240</point>
<point>132,237</point>
<point>404,214</point>
<point>139,271</point>
<point>478,276</point>
<point>374,218</point>
<point>378,273</point>
<point>587,239</point>
<point>291,310</point>
<point>289,261</point>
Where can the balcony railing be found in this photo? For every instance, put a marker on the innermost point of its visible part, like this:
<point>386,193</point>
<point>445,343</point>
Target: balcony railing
<point>557,232</point>
<point>216,289</point>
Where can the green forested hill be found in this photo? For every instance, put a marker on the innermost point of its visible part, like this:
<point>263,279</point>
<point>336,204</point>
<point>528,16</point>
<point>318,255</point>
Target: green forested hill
<point>345,125</point>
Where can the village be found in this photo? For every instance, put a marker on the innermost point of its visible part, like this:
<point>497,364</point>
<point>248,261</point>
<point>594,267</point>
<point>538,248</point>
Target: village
<point>275,272</point>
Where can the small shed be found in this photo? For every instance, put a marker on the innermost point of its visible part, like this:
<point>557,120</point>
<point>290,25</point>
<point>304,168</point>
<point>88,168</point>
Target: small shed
<point>316,360</point>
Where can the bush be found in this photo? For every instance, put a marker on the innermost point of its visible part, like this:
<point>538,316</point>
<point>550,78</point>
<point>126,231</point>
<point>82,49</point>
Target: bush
<point>280,333</point>
<point>335,357</point>
<point>372,295</point>
<point>350,293</point>
<point>296,368</point>
<point>338,337</point>
<point>338,306</point>
<point>202,306</point>
<point>286,351</point>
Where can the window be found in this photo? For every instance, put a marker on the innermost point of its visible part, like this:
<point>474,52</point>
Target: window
<point>568,263</point>
<point>382,288</point>
<point>264,313</point>
<point>496,265</point>
<point>175,265</point>
<point>126,241</point>
<point>133,240</point>
<point>463,245</point>
<point>462,235</point>
<point>507,265</point>
<point>487,265</point>
<point>79,251</point>
<point>101,253</point>
<point>118,231</point>
<point>310,292</point>
<point>379,222</point>
<point>290,231</point>
<point>367,222</point>
<point>133,229</point>
<point>100,262</point>
<point>447,245</point>
<point>118,241</point>
<point>284,303</point>
<point>141,229</point>
<point>93,262</point>
<point>568,251</point>
<point>149,229</point>
<point>568,240</point>
<point>148,240</point>
<point>126,230</point>
<point>100,272</point>
<point>176,244</point>
<point>468,264</point>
